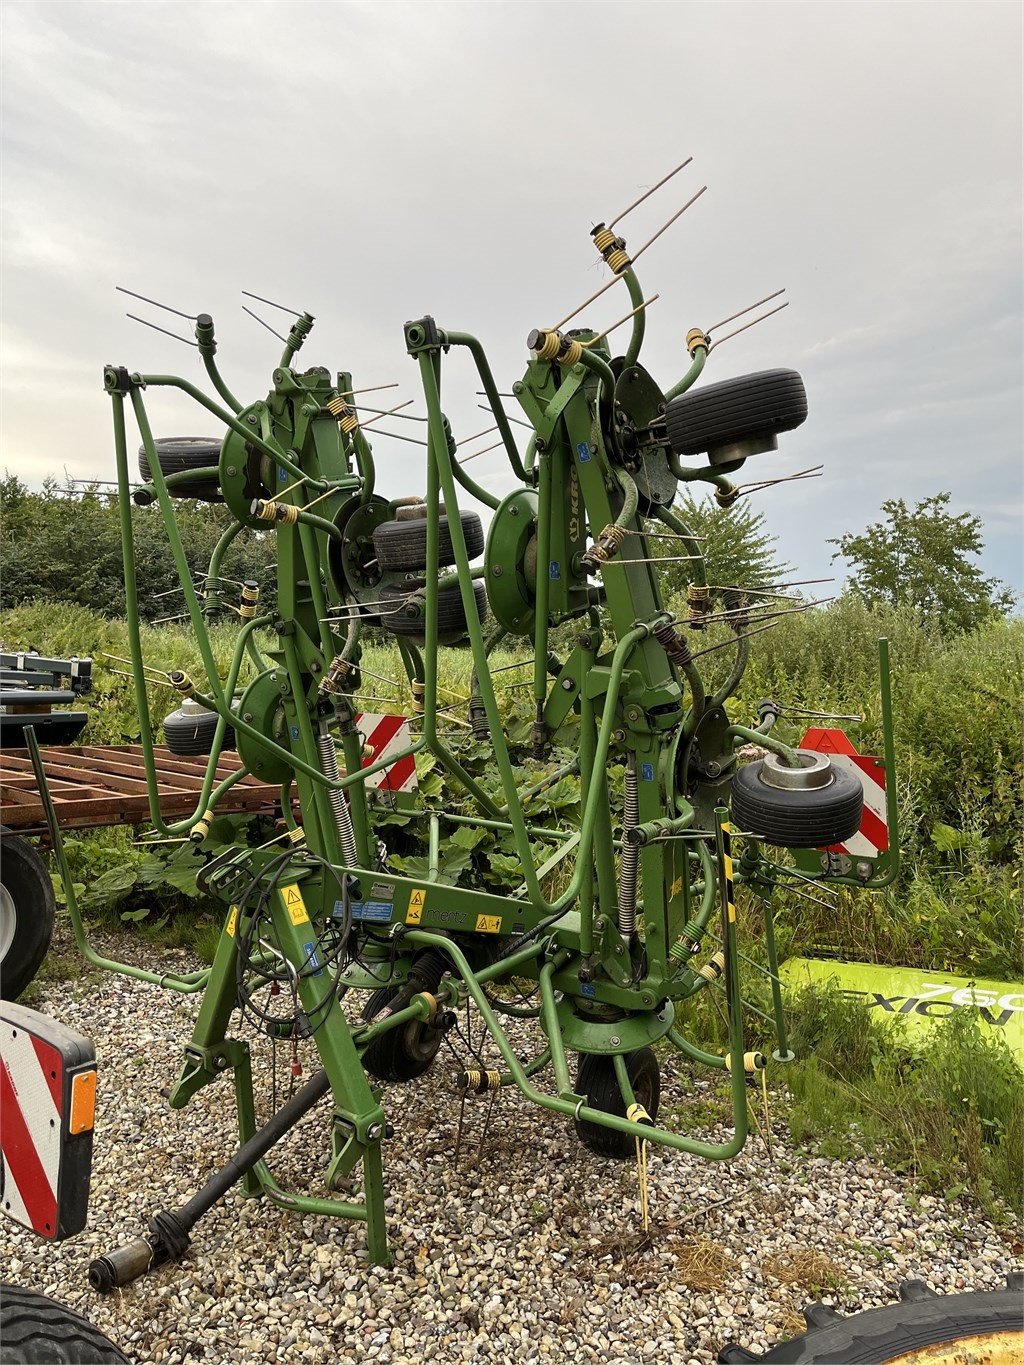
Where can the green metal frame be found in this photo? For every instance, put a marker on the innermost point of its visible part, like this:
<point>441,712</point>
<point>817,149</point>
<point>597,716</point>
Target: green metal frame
<point>614,954</point>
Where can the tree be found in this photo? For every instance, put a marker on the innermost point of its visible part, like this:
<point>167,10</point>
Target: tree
<point>63,544</point>
<point>738,549</point>
<point>924,557</point>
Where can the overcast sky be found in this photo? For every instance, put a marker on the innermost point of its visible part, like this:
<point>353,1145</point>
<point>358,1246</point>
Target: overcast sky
<point>373,162</point>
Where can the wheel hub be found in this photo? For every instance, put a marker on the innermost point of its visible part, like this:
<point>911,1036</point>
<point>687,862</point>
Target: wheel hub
<point>815,771</point>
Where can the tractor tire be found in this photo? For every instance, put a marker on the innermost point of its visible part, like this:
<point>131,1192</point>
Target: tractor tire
<point>180,453</point>
<point>986,1325</point>
<point>27,908</point>
<point>747,407</point>
<point>402,545</point>
<point>403,1054</point>
<point>813,818</point>
<point>596,1080</point>
<point>35,1330</point>
<point>451,615</point>
<point>191,728</point>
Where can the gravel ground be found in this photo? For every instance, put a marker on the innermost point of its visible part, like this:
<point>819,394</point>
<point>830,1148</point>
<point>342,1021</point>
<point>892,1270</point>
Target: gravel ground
<point>527,1248</point>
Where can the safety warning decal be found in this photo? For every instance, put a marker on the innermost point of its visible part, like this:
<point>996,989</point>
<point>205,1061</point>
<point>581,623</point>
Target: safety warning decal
<point>295,905</point>
<point>488,924</point>
<point>416,903</point>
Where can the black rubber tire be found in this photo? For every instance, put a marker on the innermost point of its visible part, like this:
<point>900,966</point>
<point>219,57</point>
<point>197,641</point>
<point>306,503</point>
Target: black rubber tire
<point>760,404</point>
<point>191,732</point>
<point>403,1054</point>
<point>815,818</point>
<point>35,1330</point>
<point>28,895</point>
<point>451,616</point>
<point>596,1081</point>
<point>878,1335</point>
<point>402,545</point>
<point>180,453</point>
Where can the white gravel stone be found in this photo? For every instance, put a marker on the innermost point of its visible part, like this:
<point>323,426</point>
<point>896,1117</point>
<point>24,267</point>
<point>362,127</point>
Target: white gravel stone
<point>522,1250</point>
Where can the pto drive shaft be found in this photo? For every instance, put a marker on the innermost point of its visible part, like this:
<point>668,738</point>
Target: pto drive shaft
<point>169,1238</point>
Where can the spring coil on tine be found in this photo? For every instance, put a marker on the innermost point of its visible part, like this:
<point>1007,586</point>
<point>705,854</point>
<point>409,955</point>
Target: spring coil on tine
<point>713,968</point>
<point>612,248</point>
<point>673,644</point>
<point>697,598</point>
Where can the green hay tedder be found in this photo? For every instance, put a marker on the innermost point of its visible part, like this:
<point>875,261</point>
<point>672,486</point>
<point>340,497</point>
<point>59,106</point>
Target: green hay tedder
<point>671,818</point>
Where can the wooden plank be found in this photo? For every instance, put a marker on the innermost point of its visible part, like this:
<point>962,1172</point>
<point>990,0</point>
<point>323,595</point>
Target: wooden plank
<point>103,768</point>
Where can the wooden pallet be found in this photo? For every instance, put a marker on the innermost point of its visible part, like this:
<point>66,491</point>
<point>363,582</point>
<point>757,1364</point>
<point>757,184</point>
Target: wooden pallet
<point>95,784</point>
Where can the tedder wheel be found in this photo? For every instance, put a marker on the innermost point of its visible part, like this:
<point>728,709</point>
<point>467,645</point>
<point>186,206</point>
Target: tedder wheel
<point>985,1325</point>
<point>810,807</point>
<point>27,907</point>
<point>177,454</point>
<point>191,728</point>
<point>403,544</point>
<point>35,1330</point>
<point>403,1053</point>
<point>598,1083</point>
<point>737,417</point>
<point>451,615</point>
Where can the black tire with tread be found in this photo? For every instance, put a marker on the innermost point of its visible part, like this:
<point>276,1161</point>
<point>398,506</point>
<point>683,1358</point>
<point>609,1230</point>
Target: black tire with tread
<point>877,1335</point>
<point>597,1082</point>
<point>404,1053</point>
<point>814,818</point>
<point>193,734</point>
<point>28,883</point>
<point>451,615</point>
<point>402,545</point>
<point>761,404</point>
<point>177,455</point>
<point>36,1330</point>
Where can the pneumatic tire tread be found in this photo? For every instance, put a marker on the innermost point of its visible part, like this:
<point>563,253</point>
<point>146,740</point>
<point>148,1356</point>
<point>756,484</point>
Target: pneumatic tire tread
<point>597,1083</point>
<point>36,1330</point>
<point>451,615</point>
<point>402,545</point>
<point>759,404</point>
<point>813,818</point>
<point>879,1335</point>
<point>404,1053</point>
<point>188,735</point>
<point>28,884</point>
<point>178,455</point>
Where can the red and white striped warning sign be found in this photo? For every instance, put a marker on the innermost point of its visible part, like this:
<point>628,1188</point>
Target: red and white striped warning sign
<point>47,1113</point>
<point>381,736</point>
<point>873,836</point>
<point>31,1086</point>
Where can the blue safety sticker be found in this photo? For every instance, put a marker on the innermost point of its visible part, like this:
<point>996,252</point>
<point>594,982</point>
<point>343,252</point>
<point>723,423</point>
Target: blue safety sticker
<point>295,732</point>
<point>380,911</point>
<point>585,989</point>
<point>312,961</point>
<point>555,569</point>
<point>647,771</point>
<point>282,474</point>
<point>583,451</point>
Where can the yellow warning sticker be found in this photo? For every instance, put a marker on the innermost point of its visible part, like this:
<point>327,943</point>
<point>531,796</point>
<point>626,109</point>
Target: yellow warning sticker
<point>232,923</point>
<point>294,904</point>
<point>676,887</point>
<point>415,912</point>
<point>488,924</point>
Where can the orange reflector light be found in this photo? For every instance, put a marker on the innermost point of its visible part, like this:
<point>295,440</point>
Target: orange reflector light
<point>83,1102</point>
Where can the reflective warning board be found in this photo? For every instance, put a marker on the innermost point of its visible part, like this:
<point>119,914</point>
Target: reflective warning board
<point>47,1112</point>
